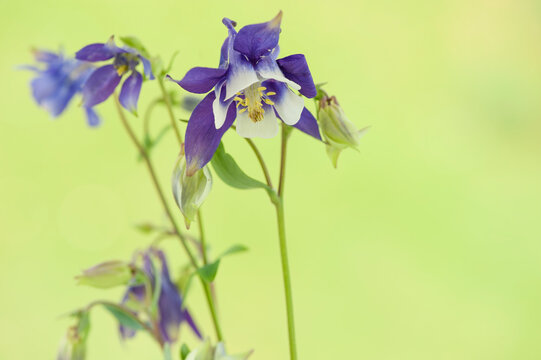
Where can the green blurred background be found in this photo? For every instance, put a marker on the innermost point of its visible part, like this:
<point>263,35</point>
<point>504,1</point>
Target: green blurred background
<point>424,245</point>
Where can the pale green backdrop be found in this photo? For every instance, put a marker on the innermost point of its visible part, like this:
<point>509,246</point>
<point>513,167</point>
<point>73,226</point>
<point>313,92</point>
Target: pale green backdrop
<point>424,245</point>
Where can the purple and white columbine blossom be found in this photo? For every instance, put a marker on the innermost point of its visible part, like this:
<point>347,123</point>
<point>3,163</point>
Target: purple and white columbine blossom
<point>252,86</point>
<point>60,80</point>
<point>103,82</point>
<point>170,311</point>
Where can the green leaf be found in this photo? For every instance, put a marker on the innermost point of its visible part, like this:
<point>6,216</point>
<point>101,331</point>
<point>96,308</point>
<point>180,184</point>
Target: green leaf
<point>136,44</point>
<point>209,271</point>
<point>124,317</point>
<point>184,351</point>
<point>227,169</point>
<point>235,249</point>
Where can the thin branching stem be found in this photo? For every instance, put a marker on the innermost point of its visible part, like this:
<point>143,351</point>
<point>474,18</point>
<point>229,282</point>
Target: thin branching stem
<point>169,214</point>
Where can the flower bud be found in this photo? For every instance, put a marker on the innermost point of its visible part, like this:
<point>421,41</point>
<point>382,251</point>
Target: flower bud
<point>106,275</point>
<point>339,132</point>
<point>73,344</point>
<point>207,352</point>
<point>190,191</point>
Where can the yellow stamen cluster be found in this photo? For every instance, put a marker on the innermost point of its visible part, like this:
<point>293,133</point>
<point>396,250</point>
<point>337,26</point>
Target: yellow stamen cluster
<point>120,70</point>
<point>252,101</point>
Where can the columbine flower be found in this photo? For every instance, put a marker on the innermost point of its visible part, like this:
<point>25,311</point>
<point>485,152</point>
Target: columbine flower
<point>60,80</point>
<point>170,313</point>
<point>190,191</point>
<point>251,86</point>
<point>339,132</point>
<point>105,79</point>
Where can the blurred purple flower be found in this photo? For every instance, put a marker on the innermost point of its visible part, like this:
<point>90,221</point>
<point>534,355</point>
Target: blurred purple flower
<point>170,313</point>
<point>59,81</point>
<point>103,82</point>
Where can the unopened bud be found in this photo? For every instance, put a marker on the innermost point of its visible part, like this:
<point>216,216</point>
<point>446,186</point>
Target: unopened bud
<point>190,191</point>
<point>339,132</point>
<point>73,344</point>
<point>107,275</point>
<point>207,352</point>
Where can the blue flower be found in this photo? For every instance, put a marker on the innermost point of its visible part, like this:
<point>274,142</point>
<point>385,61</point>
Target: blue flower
<point>170,312</point>
<point>252,86</point>
<point>103,82</point>
<point>59,81</point>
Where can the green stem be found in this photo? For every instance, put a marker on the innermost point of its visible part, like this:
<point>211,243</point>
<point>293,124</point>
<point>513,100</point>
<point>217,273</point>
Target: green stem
<point>202,238</point>
<point>261,161</point>
<point>170,110</point>
<point>168,212</point>
<point>283,247</point>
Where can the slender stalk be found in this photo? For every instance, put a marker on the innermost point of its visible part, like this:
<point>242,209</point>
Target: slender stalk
<point>283,247</point>
<point>283,153</point>
<point>148,112</point>
<point>170,110</point>
<point>169,214</point>
<point>261,161</point>
<point>202,238</point>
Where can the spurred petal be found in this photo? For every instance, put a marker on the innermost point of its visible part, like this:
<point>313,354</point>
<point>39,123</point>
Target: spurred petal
<point>46,56</point>
<point>50,93</point>
<point>288,105</point>
<point>219,106</point>
<point>296,69</point>
<point>200,80</point>
<point>96,52</point>
<point>241,74</point>
<point>100,85</point>
<point>258,40</point>
<point>228,42</point>
<point>92,118</point>
<point>147,67</point>
<point>169,305</point>
<point>129,94</point>
<point>267,68</point>
<point>202,137</point>
<point>308,124</point>
<point>191,323</point>
<point>266,128</point>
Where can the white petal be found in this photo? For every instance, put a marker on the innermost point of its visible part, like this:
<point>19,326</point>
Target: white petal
<point>267,68</point>
<point>241,75</point>
<point>289,106</point>
<point>219,108</point>
<point>266,128</point>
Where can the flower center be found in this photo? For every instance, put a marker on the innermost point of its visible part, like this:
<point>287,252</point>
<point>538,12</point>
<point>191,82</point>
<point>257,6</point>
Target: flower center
<point>124,62</point>
<point>252,99</point>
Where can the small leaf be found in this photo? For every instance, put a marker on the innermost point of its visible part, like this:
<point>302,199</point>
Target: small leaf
<point>135,43</point>
<point>227,169</point>
<point>124,317</point>
<point>184,351</point>
<point>209,271</point>
<point>234,250</point>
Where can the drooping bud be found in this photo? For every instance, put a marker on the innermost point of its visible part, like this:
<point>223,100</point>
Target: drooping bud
<point>73,344</point>
<point>107,275</point>
<point>339,132</point>
<point>207,352</point>
<point>190,191</point>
